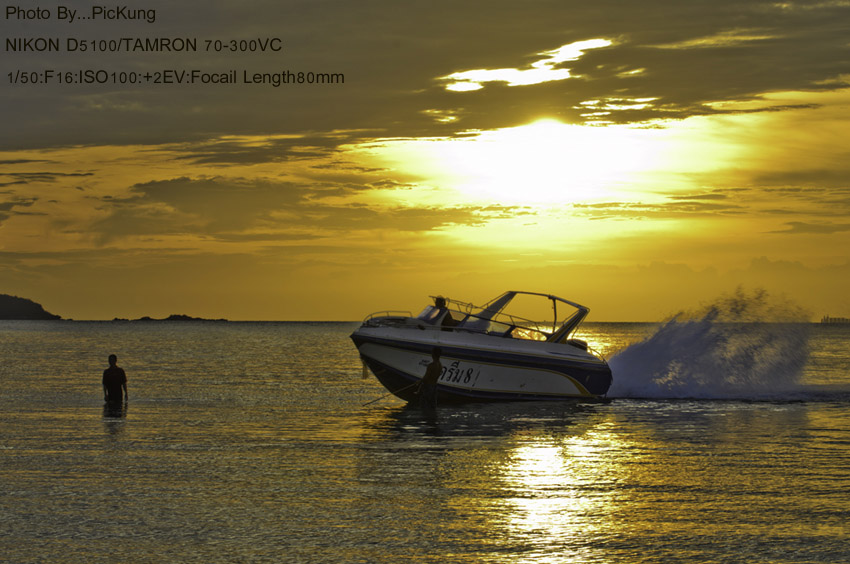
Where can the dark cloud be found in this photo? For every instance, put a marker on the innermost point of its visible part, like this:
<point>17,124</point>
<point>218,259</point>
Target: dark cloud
<point>698,197</point>
<point>28,177</point>
<point>689,54</point>
<point>7,162</point>
<point>262,210</point>
<point>799,227</point>
<point>199,206</point>
<point>837,177</point>
<point>822,201</point>
<point>803,201</point>
<point>678,207</point>
<point>229,151</point>
<point>264,237</point>
<point>7,208</point>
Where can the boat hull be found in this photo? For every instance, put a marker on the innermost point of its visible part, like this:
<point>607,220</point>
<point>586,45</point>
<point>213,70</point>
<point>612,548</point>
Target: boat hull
<point>481,368</point>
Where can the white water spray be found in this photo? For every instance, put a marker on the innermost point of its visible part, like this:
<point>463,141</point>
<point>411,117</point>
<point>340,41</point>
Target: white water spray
<point>744,346</point>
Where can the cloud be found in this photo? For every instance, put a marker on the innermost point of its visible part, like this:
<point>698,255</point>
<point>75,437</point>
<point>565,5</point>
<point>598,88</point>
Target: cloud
<point>547,69</point>
<point>244,210</point>
<point>246,150</point>
<point>186,205</point>
<point>698,197</point>
<point>393,56</point>
<point>7,208</point>
<point>675,207</point>
<point>800,227</point>
<point>6,162</point>
<point>243,181</point>
<point>23,178</point>
<point>725,38</point>
<point>835,179</point>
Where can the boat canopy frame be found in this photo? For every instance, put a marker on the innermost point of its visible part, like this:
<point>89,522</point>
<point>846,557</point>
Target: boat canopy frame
<point>491,318</point>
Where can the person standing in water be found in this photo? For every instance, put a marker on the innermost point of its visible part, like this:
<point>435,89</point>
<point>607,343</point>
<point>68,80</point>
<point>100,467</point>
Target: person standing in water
<point>427,391</point>
<point>114,381</point>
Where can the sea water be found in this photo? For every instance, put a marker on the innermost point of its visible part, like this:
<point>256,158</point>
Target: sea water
<point>261,442</point>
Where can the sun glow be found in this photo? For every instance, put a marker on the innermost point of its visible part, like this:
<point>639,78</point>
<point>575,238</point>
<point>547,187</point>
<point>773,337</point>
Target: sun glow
<point>545,162</point>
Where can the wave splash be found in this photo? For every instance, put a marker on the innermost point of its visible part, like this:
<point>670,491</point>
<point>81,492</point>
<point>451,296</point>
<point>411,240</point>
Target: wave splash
<point>743,346</point>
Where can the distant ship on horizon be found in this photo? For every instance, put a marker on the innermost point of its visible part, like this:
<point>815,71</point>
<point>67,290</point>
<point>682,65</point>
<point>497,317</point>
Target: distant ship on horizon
<point>828,319</point>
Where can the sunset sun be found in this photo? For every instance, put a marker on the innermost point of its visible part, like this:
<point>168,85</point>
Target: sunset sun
<point>544,162</point>
<point>548,162</point>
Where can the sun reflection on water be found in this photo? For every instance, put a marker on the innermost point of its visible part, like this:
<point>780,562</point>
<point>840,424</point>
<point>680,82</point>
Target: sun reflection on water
<point>547,482</point>
<point>558,496</point>
<point>601,338</point>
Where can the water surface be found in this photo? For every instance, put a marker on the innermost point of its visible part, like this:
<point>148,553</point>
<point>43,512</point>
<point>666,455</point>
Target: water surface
<point>251,442</point>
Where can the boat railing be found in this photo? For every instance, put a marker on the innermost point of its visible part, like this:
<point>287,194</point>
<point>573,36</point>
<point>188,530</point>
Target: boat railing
<point>503,324</point>
<point>596,353</point>
<point>390,313</point>
<point>584,345</point>
<point>464,308</point>
<point>516,327</point>
<point>507,323</point>
<point>500,324</point>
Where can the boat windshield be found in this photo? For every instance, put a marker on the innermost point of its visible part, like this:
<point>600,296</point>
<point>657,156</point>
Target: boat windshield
<point>527,315</point>
<point>430,314</point>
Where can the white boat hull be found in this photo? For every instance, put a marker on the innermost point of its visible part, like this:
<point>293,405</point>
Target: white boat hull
<point>480,367</point>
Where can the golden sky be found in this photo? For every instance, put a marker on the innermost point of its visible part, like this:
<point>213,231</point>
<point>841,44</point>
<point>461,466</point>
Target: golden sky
<point>637,157</point>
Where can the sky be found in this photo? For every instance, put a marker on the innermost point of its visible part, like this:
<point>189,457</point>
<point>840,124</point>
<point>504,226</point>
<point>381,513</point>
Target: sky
<point>640,158</point>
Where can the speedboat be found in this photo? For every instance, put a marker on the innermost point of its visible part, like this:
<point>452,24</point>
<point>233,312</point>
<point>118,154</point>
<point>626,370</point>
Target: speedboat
<point>487,353</point>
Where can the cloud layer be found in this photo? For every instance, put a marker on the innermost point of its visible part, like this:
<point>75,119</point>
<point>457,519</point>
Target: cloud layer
<point>705,136</point>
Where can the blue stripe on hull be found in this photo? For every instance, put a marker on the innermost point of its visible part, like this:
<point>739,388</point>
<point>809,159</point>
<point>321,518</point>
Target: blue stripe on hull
<point>404,386</point>
<point>596,378</point>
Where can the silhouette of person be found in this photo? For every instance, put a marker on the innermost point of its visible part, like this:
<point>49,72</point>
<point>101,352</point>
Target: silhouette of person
<point>448,320</point>
<point>114,381</point>
<point>427,391</point>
